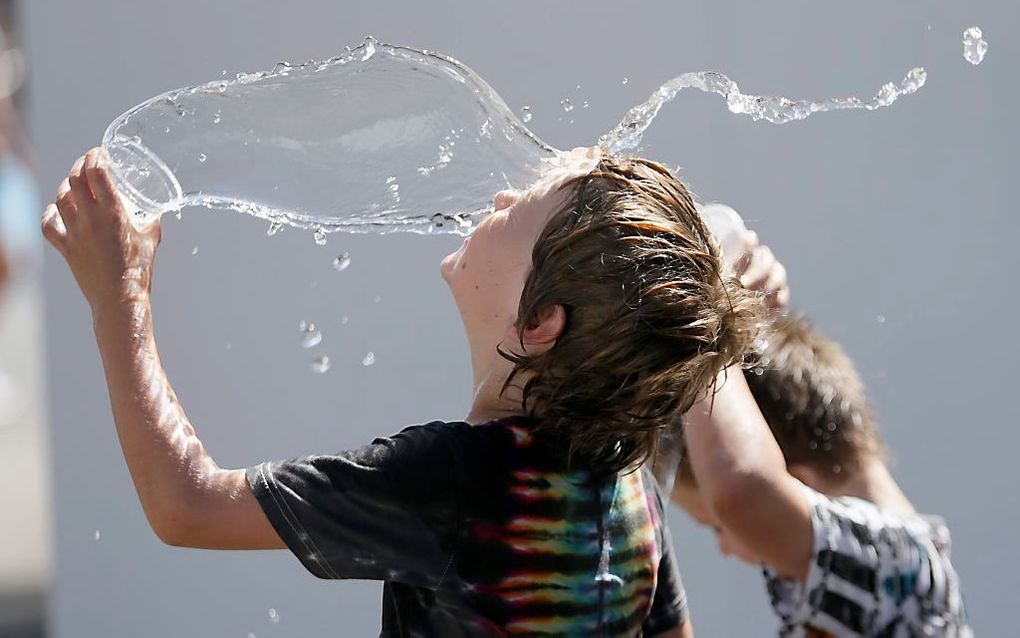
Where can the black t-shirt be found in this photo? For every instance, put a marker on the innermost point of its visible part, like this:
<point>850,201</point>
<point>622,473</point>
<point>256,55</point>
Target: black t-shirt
<point>479,531</point>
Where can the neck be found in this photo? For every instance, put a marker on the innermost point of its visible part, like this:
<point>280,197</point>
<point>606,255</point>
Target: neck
<point>874,483</point>
<point>489,401</point>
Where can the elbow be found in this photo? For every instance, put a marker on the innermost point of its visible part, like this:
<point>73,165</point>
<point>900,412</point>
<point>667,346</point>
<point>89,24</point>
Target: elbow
<point>734,497</point>
<point>171,528</point>
<point>173,520</point>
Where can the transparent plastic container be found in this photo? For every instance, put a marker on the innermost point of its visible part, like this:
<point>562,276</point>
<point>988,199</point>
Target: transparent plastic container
<point>383,138</point>
<point>727,227</point>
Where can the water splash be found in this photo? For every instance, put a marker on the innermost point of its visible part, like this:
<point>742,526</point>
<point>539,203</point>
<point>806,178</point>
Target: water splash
<point>627,135</point>
<point>310,335</point>
<point>369,359</point>
<point>445,139</point>
<point>342,262</point>
<point>320,365</point>
<point>974,48</point>
<point>426,120</point>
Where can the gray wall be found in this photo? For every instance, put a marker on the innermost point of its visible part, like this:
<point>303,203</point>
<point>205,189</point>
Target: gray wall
<point>901,213</point>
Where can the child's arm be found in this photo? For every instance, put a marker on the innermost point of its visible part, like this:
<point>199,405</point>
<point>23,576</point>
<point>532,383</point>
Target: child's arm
<point>742,474</point>
<point>187,498</point>
<point>736,460</point>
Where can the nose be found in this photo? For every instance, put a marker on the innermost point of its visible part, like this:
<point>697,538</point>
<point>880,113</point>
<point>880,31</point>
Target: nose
<point>505,199</point>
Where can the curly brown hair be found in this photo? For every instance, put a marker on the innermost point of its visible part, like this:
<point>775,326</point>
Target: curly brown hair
<point>651,318</point>
<point>810,394</point>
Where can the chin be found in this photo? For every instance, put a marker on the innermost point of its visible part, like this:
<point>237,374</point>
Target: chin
<point>446,266</point>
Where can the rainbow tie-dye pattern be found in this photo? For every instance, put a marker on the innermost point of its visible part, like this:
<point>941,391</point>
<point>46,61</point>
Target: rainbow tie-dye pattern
<point>581,553</point>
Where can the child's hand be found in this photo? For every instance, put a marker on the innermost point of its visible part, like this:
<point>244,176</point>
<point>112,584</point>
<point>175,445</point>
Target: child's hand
<point>110,259</point>
<point>761,272</point>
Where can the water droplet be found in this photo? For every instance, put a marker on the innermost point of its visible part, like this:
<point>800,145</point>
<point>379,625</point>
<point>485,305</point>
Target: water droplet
<point>880,318</point>
<point>369,359</point>
<point>229,345</point>
<point>166,130</point>
<point>625,80</point>
<point>526,114</point>
<point>377,298</point>
<point>97,535</point>
<point>813,445</point>
<point>758,371</point>
<point>274,227</point>
<point>974,48</point>
<point>273,616</point>
<point>223,87</point>
<point>310,335</point>
<point>585,104</point>
<point>567,105</point>
<point>830,426</point>
<point>216,117</point>
<point>194,250</point>
<point>224,72</point>
<point>320,364</point>
<point>342,262</point>
<point>578,87</point>
<point>251,634</point>
<point>180,214</point>
<point>320,236</point>
<point>343,320</point>
<point>826,447</point>
<point>201,157</point>
<point>369,48</point>
<point>836,469</point>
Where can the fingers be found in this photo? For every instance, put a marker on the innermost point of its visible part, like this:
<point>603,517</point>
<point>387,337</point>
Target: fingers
<point>79,185</point>
<point>99,180</point>
<point>53,228</point>
<point>749,244</point>
<point>67,207</point>
<point>759,269</point>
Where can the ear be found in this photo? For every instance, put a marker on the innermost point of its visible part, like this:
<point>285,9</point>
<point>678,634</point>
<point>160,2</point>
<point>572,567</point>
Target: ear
<point>546,328</point>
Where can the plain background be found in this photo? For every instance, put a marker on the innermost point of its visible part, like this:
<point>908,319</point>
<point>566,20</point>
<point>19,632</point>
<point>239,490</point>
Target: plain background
<point>897,228</point>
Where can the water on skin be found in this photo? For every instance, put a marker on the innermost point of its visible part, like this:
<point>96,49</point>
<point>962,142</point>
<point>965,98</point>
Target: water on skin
<point>443,138</point>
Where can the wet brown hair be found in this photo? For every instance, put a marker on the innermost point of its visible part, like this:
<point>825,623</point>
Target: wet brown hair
<point>650,321</point>
<point>810,394</point>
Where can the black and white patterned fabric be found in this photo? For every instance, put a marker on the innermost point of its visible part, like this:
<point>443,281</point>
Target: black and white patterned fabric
<point>873,573</point>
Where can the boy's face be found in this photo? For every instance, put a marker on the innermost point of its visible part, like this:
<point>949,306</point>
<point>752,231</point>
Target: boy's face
<point>488,272</point>
<point>689,499</point>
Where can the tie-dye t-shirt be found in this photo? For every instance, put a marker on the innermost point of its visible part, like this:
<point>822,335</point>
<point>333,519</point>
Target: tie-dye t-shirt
<point>481,530</point>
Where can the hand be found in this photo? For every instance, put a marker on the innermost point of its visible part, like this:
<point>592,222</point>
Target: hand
<point>760,271</point>
<point>111,260</point>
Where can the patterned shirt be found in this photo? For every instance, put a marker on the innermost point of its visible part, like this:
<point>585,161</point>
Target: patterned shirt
<point>481,530</point>
<point>873,573</point>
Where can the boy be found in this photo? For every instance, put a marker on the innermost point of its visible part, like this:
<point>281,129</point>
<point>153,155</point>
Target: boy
<point>844,551</point>
<point>594,310</point>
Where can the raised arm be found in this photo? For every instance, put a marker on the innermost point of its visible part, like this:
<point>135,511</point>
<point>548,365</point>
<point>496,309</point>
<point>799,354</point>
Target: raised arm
<point>742,475</point>
<point>188,499</point>
<point>737,463</point>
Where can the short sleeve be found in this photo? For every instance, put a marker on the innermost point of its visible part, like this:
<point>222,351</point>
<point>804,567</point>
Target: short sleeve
<point>669,602</point>
<point>839,593</point>
<point>387,511</point>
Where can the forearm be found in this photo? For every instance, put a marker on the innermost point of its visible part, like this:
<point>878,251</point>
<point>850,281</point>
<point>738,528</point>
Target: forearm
<point>741,470</point>
<point>167,462</point>
<point>728,438</point>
